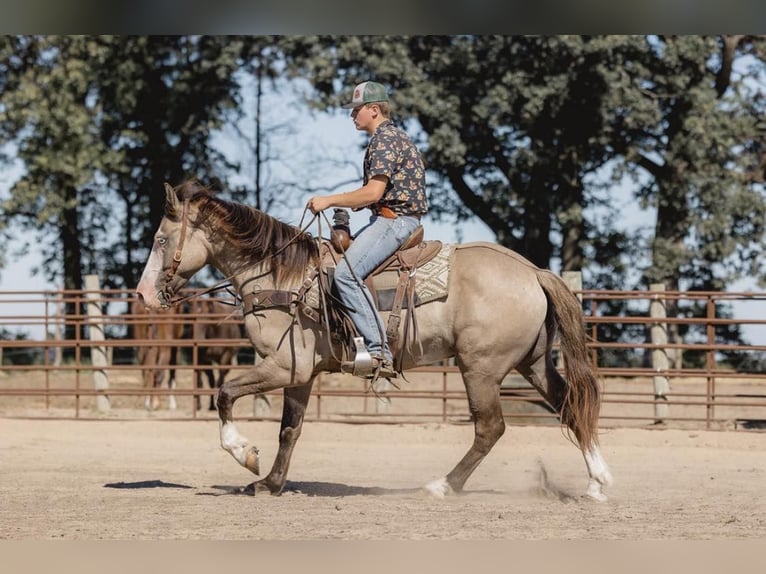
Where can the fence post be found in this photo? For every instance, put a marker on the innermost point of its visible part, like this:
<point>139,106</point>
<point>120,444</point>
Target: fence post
<point>96,333</point>
<point>573,279</point>
<point>659,335</point>
<point>59,328</point>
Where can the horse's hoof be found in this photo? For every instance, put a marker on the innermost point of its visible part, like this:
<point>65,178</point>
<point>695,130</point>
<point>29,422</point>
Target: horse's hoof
<point>438,488</point>
<point>597,497</point>
<point>254,488</point>
<point>261,486</point>
<point>252,462</point>
<point>594,492</point>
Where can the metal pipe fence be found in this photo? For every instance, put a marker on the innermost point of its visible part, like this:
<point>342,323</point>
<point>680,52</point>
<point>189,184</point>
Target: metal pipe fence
<point>694,378</point>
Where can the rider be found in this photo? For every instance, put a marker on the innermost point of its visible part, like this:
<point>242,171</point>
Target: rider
<point>394,188</point>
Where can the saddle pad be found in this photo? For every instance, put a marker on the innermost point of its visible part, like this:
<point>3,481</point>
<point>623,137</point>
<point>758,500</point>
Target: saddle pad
<point>431,282</point>
<point>432,278</point>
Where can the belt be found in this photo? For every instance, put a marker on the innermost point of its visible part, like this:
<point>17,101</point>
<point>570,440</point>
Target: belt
<point>387,212</point>
<point>384,211</point>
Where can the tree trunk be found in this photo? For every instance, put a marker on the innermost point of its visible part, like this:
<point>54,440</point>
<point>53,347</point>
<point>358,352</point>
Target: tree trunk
<point>572,229</point>
<point>69,234</point>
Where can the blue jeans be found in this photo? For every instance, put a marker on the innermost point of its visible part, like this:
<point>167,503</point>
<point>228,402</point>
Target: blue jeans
<point>372,245</point>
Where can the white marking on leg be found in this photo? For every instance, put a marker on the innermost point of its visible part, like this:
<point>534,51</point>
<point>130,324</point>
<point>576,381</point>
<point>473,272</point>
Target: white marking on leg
<point>234,443</point>
<point>598,472</point>
<point>438,488</point>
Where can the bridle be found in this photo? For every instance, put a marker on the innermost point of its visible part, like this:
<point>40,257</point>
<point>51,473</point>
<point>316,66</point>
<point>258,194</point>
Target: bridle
<point>166,295</point>
<point>180,248</point>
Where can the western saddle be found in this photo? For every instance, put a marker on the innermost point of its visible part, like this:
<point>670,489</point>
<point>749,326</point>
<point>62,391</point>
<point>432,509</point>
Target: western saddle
<point>398,271</point>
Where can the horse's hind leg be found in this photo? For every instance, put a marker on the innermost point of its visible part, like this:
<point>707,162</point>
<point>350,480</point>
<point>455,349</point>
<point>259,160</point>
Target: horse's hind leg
<point>295,401</point>
<point>542,374</point>
<point>484,403</point>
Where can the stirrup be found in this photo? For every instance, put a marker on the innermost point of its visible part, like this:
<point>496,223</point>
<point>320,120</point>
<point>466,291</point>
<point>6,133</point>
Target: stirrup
<point>367,366</point>
<point>362,365</point>
<point>382,370</point>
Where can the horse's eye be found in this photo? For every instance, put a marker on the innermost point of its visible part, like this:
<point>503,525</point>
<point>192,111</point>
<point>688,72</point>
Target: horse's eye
<point>162,241</point>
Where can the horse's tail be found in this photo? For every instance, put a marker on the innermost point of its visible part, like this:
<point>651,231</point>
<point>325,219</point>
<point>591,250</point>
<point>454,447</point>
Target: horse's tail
<point>582,402</point>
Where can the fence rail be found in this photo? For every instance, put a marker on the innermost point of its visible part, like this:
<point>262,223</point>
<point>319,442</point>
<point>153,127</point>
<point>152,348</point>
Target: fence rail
<point>71,354</point>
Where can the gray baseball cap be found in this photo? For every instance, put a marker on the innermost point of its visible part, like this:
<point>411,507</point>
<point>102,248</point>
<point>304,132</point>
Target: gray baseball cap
<point>367,93</point>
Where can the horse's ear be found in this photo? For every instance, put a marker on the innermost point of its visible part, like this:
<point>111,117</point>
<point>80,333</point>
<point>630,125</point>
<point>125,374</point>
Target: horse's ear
<point>171,199</point>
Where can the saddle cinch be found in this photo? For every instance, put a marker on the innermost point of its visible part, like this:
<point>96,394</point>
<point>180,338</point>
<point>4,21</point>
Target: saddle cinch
<point>392,285</point>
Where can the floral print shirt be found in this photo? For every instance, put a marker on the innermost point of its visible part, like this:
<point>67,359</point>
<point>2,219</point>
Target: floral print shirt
<point>391,152</point>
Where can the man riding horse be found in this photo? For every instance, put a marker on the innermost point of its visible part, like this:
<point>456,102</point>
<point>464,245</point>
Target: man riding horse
<point>394,189</point>
<point>500,312</point>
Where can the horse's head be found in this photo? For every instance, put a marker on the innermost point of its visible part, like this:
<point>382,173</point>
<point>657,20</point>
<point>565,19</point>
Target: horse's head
<point>199,228</point>
<point>177,254</point>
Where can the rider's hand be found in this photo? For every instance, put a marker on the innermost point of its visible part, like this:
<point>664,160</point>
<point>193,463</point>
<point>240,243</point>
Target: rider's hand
<point>317,204</point>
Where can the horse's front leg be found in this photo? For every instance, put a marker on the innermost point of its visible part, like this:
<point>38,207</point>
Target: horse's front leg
<point>264,377</point>
<point>295,401</point>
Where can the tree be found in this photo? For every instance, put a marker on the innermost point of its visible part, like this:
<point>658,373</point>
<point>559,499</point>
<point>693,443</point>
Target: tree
<point>516,128</point>
<point>513,131</point>
<point>159,111</point>
<point>45,110</point>
<point>695,137</point>
<point>99,124</point>
<point>710,216</point>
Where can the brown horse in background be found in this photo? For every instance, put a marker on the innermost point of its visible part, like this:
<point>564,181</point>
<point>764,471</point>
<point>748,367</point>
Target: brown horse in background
<point>157,361</point>
<point>213,320</point>
<point>501,313</point>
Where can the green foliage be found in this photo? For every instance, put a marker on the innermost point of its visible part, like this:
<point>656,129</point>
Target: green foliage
<point>515,128</point>
<point>100,123</point>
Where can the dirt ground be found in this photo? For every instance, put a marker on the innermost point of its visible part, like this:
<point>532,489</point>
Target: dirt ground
<point>131,474</point>
<point>155,479</point>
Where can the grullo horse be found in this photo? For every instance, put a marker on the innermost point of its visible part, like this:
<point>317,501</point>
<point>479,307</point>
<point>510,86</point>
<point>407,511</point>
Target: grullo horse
<point>501,312</point>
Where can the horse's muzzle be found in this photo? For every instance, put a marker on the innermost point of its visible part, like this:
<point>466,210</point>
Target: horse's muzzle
<point>165,298</point>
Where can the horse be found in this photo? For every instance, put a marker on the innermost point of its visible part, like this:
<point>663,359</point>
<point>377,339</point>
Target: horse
<point>157,361</point>
<point>501,312</point>
<point>211,322</point>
